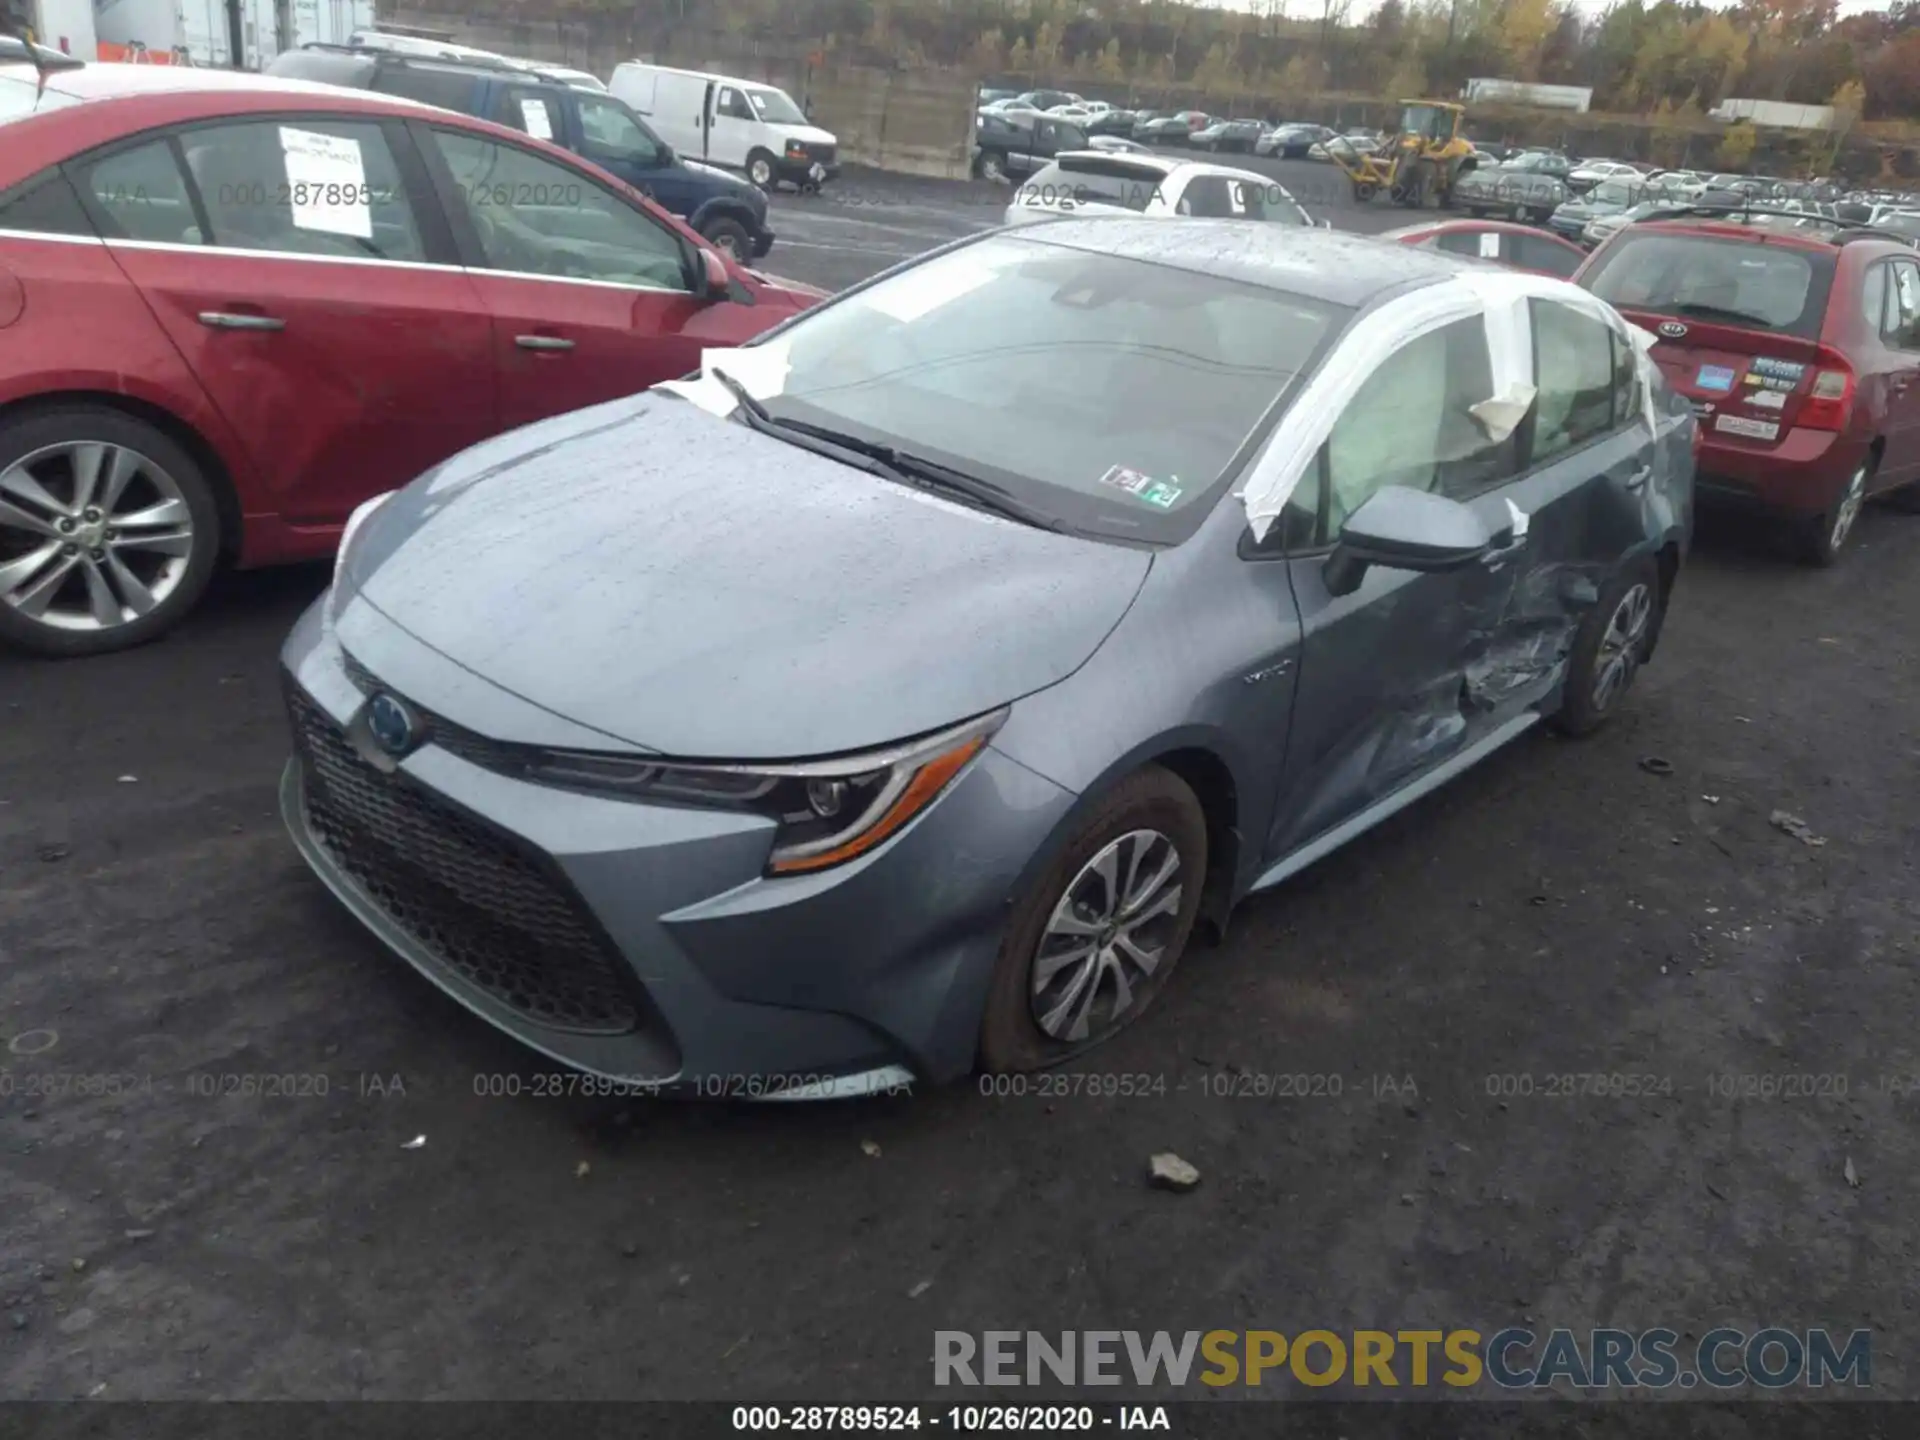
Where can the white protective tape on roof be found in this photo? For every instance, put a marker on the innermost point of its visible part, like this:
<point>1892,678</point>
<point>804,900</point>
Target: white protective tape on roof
<point>1499,297</point>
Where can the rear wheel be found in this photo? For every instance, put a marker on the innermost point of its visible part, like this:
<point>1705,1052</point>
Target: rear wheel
<point>1610,646</point>
<point>993,166</point>
<point>1094,939</point>
<point>1823,537</point>
<point>108,532</point>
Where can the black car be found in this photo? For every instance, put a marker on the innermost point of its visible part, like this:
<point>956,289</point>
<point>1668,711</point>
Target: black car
<point>1010,145</point>
<point>1224,136</point>
<point>1292,142</point>
<point>1175,129</point>
<point>1114,122</point>
<point>727,210</point>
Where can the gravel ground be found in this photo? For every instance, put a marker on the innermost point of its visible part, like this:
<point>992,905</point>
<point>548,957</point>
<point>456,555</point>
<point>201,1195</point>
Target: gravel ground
<point>1559,911</point>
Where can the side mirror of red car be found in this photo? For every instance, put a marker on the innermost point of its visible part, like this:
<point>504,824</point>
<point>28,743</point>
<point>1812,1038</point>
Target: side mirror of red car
<point>719,280</point>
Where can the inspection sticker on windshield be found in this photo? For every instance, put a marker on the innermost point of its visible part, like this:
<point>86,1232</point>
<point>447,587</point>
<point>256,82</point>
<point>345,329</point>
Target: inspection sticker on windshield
<point>1778,369</point>
<point>327,183</point>
<point>1131,481</point>
<point>1752,429</point>
<point>1161,494</point>
<point>1714,377</point>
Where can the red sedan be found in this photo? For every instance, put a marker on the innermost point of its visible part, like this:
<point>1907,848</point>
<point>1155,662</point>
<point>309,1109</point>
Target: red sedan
<point>1519,247</point>
<point>233,308</point>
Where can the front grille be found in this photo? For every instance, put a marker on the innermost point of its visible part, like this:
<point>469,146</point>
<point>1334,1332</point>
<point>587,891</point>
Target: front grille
<point>495,755</point>
<point>821,154</point>
<point>483,908</point>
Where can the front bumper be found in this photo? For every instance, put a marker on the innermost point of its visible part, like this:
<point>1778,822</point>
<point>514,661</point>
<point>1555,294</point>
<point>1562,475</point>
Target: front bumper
<point>637,942</point>
<point>1802,475</point>
<point>762,242</point>
<point>806,170</point>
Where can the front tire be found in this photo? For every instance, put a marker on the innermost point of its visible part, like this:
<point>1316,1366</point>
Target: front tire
<point>730,238</point>
<point>1094,939</point>
<point>760,170</point>
<point>1612,643</point>
<point>109,532</point>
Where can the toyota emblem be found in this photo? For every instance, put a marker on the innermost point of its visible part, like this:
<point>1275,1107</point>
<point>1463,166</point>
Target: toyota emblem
<point>1673,330</point>
<point>391,724</point>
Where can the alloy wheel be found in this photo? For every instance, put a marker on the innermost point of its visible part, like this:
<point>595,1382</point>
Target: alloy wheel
<point>1848,510</point>
<point>1107,936</point>
<point>93,536</point>
<point>761,173</point>
<point>1622,646</point>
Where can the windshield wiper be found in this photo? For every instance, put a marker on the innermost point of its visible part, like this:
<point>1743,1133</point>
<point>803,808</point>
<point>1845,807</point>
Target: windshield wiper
<point>1721,312</point>
<point>890,461</point>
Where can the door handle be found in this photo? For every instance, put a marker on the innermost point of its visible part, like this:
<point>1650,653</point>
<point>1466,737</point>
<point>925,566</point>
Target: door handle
<point>542,342</point>
<point>223,320</point>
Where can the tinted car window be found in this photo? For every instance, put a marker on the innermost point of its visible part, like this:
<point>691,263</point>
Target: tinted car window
<point>1904,307</point>
<point>1101,185</point>
<point>1151,378</point>
<point>611,129</point>
<point>449,89</point>
<point>535,217</point>
<point>1225,197</point>
<point>46,206</point>
<point>141,195</point>
<point>1573,373</point>
<point>1532,252</point>
<point>1480,244</point>
<point>1729,282</point>
<point>318,187</point>
<point>532,111</point>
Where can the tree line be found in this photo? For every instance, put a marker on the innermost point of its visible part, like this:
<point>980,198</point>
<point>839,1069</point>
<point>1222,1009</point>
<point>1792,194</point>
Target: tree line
<point>1666,58</point>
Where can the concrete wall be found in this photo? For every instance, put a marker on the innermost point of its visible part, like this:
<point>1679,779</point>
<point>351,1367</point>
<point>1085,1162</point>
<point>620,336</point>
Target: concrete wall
<point>917,121</point>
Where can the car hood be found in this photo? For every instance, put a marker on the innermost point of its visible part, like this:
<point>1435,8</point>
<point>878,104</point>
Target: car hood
<point>689,586</point>
<point>808,134</point>
<point>724,178</point>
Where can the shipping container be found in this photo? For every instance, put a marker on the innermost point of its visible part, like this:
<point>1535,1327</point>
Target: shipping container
<point>214,32</point>
<point>1775,112</point>
<point>1520,92</point>
<point>64,25</point>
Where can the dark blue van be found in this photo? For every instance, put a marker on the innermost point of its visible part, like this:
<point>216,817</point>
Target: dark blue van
<point>727,210</point>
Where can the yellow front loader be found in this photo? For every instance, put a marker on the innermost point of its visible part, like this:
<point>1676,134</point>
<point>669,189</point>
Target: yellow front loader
<point>1416,165</point>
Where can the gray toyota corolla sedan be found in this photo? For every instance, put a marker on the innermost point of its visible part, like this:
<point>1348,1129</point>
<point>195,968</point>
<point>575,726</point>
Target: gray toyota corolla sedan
<point>898,694</point>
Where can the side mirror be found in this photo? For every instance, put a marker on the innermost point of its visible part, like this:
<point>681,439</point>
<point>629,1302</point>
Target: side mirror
<point>1405,529</point>
<point>668,155</point>
<point>719,280</point>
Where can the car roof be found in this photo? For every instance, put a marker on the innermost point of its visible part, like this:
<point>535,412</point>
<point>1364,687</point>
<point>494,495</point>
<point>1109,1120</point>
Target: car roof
<point>1330,265</point>
<point>116,82</point>
<point>1822,243</point>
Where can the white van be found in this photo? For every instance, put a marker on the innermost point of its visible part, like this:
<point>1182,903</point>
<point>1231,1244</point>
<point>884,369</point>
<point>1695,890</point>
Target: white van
<point>726,121</point>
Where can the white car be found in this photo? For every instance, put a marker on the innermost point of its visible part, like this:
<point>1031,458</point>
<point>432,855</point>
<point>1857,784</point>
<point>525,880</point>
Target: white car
<point>1594,172</point>
<point>1095,182</point>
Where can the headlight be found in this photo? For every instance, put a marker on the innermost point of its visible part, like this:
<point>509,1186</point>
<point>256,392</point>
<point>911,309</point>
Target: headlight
<point>354,522</point>
<point>827,811</point>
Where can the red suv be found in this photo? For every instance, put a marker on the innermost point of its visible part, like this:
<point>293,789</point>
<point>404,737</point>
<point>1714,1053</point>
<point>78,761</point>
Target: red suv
<point>233,308</point>
<point>1798,348</point>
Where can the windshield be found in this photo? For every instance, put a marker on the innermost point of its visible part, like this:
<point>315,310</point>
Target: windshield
<point>1426,120</point>
<point>1615,192</point>
<point>1727,282</point>
<point>1110,394</point>
<point>20,98</point>
<point>774,106</point>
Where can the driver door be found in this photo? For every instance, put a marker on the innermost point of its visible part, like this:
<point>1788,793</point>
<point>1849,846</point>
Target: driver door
<point>730,128</point>
<point>1384,695</point>
<point>588,292</point>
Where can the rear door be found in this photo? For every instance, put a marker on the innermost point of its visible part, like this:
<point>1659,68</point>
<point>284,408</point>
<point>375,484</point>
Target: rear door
<point>1738,321</point>
<point>589,294</point>
<point>300,268</point>
<point>539,111</point>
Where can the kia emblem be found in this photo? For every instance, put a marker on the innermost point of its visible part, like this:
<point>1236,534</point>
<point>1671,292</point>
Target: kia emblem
<point>1673,329</point>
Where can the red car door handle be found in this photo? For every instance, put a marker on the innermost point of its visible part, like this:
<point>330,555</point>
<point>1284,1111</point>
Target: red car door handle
<point>223,320</point>
<point>542,342</point>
